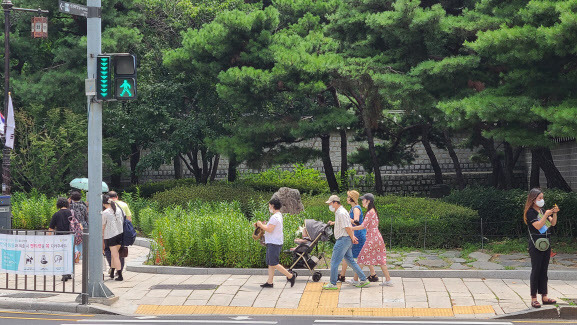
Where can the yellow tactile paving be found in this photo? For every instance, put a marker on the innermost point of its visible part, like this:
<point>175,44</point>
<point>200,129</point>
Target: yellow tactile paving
<point>460,310</point>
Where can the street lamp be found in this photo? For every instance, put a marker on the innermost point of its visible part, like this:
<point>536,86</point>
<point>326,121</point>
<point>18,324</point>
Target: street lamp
<point>8,7</point>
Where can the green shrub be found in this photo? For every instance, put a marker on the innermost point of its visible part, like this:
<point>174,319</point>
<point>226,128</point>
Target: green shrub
<point>137,204</point>
<point>213,235</point>
<point>502,211</point>
<point>32,210</point>
<point>248,198</point>
<point>306,180</point>
<point>148,189</point>
<point>447,225</point>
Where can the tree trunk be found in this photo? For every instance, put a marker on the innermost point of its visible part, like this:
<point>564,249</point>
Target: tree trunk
<point>455,159</point>
<point>232,164</point>
<point>116,177</point>
<point>509,165</point>
<point>327,164</point>
<point>534,181</point>
<point>344,161</point>
<point>177,167</point>
<point>374,159</point>
<point>214,167</point>
<point>554,177</point>
<point>489,146</point>
<point>134,159</point>
<point>434,163</point>
<point>205,173</point>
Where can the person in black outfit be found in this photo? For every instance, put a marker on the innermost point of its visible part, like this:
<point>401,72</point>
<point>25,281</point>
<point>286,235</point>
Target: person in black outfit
<point>535,218</point>
<point>60,222</point>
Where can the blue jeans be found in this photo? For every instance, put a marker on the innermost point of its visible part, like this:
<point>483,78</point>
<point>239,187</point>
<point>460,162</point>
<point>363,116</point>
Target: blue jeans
<point>343,249</point>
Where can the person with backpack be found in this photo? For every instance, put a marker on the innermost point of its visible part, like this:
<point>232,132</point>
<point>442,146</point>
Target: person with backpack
<point>80,211</point>
<point>64,221</point>
<point>112,233</point>
<point>123,205</point>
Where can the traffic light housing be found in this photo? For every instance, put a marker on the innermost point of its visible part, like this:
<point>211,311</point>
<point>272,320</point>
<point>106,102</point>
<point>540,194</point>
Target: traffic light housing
<point>104,89</point>
<point>125,76</point>
<point>116,76</point>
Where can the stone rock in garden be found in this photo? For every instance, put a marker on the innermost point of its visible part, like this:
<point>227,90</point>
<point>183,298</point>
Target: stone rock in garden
<point>450,254</point>
<point>480,257</point>
<point>458,266</point>
<point>513,256</point>
<point>407,266</point>
<point>290,199</point>
<point>433,263</point>
<point>459,260</point>
<point>486,265</point>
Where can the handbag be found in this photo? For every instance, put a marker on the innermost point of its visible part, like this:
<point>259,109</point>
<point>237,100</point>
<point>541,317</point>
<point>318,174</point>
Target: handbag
<point>123,251</point>
<point>542,244</point>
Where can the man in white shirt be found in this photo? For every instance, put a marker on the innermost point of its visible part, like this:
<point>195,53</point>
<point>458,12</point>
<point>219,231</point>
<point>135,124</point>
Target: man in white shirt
<point>273,238</point>
<point>343,247</point>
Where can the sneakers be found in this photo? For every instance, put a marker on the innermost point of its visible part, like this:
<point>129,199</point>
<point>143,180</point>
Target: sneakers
<point>362,284</point>
<point>293,279</point>
<point>352,282</point>
<point>330,286</point>
<point>373,278</point>
<point>267,285</point>
<point>387,283</point>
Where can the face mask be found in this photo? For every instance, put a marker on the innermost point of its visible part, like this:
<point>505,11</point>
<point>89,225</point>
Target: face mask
<point>332,208</point>
<point>270,210</point>
<point>540,203</point>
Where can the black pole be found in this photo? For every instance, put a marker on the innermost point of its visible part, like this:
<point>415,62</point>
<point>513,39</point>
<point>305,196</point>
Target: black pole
<point>6,179</point>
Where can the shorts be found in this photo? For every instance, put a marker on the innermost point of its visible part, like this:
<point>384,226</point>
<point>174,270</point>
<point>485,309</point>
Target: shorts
<point>273,254</point>
<point>114,241</point>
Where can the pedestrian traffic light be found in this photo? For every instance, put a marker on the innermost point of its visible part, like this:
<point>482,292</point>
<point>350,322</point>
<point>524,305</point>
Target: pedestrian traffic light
<point>104,77</point>
<point>125,76</point>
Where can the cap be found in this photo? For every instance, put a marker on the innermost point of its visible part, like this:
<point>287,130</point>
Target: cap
<point>333,198</point>
<point>368,196</point>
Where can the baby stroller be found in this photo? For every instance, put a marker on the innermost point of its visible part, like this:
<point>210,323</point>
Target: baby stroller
<point>303,257</point>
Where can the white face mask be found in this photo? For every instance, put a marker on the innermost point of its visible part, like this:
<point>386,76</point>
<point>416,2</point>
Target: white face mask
<point>540,203</point>
<point>332,208</point>
<point>270,210</point>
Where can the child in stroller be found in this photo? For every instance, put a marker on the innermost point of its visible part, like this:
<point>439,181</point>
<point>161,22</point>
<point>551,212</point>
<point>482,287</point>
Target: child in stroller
<point>312,233</point>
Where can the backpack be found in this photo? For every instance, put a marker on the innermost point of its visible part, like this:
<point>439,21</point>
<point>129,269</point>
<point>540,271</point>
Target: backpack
<point>76,228</point>
<point>128,234</point>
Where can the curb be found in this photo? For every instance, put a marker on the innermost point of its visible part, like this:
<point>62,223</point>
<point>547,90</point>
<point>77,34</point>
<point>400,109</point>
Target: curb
<point>568,312</point>
<point>55,306</point>
<point>541,313</point>
<point>136,266</point>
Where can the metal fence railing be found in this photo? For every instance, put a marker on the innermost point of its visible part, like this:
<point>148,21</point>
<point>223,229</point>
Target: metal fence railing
<point>46,283</point>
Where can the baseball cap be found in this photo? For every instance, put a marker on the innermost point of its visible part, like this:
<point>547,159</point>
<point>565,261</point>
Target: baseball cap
<point>333,198</point>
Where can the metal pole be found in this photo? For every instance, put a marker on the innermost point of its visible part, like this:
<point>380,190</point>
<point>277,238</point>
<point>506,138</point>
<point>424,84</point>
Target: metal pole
<point>96,286</point>
<point>6,180</point>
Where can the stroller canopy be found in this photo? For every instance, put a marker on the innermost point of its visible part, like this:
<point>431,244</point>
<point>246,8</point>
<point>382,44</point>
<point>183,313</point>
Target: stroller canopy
<point>316,228</point>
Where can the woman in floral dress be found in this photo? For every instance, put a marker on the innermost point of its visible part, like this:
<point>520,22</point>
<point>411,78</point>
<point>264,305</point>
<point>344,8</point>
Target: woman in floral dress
<point>374,251</point>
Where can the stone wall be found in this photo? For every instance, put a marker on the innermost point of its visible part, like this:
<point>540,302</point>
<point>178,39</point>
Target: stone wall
<point>565,158</point>
<point>414,179</point>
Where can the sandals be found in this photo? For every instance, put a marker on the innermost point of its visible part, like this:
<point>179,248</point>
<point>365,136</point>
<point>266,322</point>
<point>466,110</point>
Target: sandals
<point>549,301</point>
<point>341,278</point>
<point>535,304</point>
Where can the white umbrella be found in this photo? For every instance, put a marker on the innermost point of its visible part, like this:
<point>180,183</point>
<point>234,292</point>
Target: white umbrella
<point>82,184</point>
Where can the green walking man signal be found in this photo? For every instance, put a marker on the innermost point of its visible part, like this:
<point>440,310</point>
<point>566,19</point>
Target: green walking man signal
<point>123,78</point>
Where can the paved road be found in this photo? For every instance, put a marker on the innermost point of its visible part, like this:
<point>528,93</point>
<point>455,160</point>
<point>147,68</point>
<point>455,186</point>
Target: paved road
<point>25,318</point>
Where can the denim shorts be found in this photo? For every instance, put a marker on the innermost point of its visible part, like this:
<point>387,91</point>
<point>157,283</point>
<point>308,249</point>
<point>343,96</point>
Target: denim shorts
<point>273,254</point>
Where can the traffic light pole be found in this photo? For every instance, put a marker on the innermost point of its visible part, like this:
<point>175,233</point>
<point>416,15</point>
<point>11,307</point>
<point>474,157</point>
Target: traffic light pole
<point>96,286</point>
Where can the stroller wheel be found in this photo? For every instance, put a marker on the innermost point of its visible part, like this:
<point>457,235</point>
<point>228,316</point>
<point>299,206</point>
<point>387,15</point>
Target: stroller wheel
<point>317,276</point>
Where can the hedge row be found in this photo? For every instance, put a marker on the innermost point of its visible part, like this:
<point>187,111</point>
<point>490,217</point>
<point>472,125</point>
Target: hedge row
<point>306,180</point>
<point>502,211</point>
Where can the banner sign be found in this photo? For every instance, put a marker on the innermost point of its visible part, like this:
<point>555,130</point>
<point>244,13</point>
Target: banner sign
<point>37,255</point>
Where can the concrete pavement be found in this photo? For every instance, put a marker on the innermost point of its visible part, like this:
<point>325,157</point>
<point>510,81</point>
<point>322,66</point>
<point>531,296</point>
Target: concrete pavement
<point>154,294</point>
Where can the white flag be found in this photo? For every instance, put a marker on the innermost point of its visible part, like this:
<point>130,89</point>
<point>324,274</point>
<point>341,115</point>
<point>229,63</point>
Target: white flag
<point>10,125</point>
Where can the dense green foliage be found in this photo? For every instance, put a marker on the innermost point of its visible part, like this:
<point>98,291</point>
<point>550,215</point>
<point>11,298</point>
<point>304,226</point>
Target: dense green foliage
<point>502,211</point>
<point>146,190</point>
<point>248,198</point>
<point>306,180</point>
<point>32,210</point>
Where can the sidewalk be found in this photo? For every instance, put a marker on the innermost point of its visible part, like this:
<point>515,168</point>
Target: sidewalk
<point>155,294</point>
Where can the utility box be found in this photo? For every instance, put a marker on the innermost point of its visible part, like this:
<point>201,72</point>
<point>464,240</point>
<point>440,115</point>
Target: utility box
<point>5,212</point>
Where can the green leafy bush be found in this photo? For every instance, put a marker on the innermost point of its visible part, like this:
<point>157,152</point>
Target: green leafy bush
<point>306,180</point>
<point>32,210</point>
<point>502,211</point>
<point>137,205</point>
<point>406,218</point>
<point>213,235</point>
<point>248,198</point>
<point>147,190</point>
